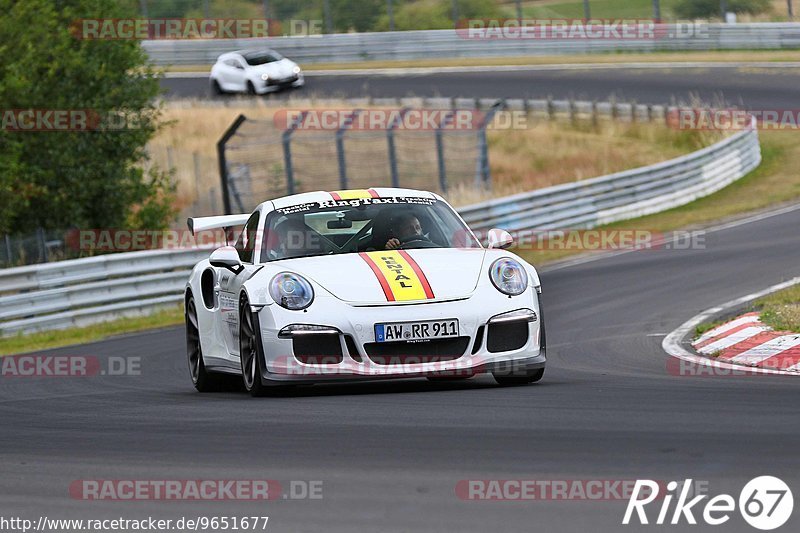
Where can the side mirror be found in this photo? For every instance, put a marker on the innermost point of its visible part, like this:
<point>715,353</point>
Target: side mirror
<point>500,238</point>
<point>226,257</point>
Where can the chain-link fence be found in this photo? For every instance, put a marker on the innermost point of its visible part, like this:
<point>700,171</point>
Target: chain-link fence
<point>39,246</point>
<point>262,159</point>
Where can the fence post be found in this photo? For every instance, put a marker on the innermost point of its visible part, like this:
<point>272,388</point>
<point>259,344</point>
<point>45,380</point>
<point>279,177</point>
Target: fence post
<point>223,165</point>
<point>212,198</point>
<point>391,148</point>
<point>196,158</point>
<point>483,175</point>
<point>40,240</point>
<point>440,150</point>
<point>340,147</point>
<point>8,250</point>
<point>572,112</point>
<point>286,139</point>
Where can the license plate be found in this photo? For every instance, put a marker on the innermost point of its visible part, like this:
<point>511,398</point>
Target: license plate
<point>416,331</point>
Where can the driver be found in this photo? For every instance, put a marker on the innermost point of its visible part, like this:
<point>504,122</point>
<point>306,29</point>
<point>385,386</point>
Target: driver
<point>404,227</point>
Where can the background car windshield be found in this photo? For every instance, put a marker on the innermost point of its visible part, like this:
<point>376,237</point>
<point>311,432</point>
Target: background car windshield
<point>262,58</point>
<point>350,226</point>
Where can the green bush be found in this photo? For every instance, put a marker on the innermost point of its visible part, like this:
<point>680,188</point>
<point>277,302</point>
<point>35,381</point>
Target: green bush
<point>699,9</point>
<point>435,14</point>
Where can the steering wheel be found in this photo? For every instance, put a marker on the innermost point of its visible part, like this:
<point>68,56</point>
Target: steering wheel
<point>417,241</point>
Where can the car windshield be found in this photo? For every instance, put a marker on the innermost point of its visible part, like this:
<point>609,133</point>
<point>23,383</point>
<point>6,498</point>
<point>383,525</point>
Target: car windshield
<point>362,225</point>
<point>262,58</point>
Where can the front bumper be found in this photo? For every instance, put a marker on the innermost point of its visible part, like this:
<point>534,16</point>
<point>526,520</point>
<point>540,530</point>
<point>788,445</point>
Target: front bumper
<point>272,85</point>
<point>281,366</point>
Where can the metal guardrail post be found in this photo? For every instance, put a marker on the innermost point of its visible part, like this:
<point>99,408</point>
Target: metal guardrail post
<point>340,147</point>
<point>286,142</point>
<point>448,116</point>
<point>483,175</point>
<point>391,148</point>
<point>223,165</point>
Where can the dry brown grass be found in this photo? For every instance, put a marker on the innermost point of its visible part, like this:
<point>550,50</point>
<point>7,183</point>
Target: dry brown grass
<point>542,154</point>
<point>550,153</point>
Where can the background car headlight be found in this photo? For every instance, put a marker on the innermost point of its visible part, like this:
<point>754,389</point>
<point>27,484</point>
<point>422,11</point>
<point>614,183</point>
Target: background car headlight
<point>296,69</point>
<point>265,77</point>
<point>508,276</point>
<point>291,291</point>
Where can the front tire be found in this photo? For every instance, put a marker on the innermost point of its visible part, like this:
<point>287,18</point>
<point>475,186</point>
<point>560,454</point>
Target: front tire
<point>251,352</point>
<point>203,380</point>
<point>216,88</point>
<point>251,89</point>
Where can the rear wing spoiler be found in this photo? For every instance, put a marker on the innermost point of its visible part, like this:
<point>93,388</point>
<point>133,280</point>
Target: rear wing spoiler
<point>222,221</point>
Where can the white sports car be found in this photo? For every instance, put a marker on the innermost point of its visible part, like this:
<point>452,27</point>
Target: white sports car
<point>360,284</point>
<point>254,72</point>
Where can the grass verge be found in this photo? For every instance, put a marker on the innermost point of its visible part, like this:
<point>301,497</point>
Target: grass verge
<point>781,310</point>
<point>775,181</point>
<point>724,56</point>
<point>53,339</point>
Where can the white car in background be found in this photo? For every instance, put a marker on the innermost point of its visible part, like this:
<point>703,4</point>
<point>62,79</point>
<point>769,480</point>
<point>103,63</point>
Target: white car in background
<point>254,72</point>
<point>360,285</point>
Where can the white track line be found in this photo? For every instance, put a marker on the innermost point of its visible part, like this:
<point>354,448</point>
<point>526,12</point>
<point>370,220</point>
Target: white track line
<point>672,342</point>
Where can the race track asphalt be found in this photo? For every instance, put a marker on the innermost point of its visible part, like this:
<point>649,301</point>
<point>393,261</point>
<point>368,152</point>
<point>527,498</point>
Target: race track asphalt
<point>390,454</point>
<point>754,88</point>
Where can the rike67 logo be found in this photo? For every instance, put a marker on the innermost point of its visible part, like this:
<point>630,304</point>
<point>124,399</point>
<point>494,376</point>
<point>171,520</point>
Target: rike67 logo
<point>765,503</point>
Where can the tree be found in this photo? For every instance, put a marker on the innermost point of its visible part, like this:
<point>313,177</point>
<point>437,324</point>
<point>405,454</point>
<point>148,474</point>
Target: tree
<point>90,179</point>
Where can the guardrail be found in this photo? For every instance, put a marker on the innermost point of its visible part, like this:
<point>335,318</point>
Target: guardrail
<point>84,291</point>
<point>623,195</point>
<point>406,45</point>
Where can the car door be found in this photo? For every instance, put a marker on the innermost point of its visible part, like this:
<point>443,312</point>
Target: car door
<point>232,75</point>
<point>230,284</point>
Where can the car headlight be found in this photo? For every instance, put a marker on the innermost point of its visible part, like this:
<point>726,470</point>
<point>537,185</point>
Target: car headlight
<point>291,291</point>
<point>508,276</point>
<point>265,77</point>
<point>296,69</point>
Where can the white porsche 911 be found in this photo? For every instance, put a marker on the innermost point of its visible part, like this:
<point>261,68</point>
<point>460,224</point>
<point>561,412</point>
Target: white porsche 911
<point>254,72</point>
<point>360,284</point>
